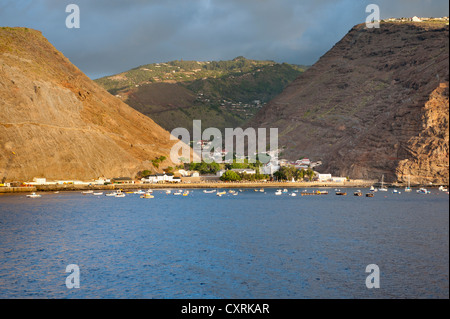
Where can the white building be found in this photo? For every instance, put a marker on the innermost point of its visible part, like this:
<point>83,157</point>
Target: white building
<point>324,177</point>
<point>40,181</point>
<point>416,19</point>
<point>244,171</point>
<point>101,181</point>
<point>158,178</point>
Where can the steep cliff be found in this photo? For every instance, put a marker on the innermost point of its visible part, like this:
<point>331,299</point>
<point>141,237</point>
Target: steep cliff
<point>60,124</point>
<point>376,103</point>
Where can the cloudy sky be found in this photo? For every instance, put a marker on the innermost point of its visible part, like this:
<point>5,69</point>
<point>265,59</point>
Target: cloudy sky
<point>117,35</point>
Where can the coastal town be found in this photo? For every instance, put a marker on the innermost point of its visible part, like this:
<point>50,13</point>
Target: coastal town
<point>232,173</point>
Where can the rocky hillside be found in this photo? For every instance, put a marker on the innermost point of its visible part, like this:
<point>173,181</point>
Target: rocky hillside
<point>62,125</point>
<point>220,93</point>
<point>376,103</point>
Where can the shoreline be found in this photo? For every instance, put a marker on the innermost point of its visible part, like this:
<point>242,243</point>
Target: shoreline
<point>198,185</point>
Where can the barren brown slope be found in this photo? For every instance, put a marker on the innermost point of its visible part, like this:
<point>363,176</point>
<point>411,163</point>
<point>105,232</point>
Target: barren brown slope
<point>61,124</point>
<point>376,103</point>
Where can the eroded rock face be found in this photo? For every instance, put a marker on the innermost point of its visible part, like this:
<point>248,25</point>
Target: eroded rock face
<point>376,103</point>
<point>60,124</point>
<point>427,158</point>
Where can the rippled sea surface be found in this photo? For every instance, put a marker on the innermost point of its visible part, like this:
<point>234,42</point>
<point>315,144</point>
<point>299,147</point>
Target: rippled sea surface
<point>254,245</point>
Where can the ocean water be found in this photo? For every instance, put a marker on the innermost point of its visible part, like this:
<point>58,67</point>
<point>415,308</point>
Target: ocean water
<point>254,245</point>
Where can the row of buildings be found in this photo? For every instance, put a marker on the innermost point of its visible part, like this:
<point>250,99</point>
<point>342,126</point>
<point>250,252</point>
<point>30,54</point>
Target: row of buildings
<point>416,19</point>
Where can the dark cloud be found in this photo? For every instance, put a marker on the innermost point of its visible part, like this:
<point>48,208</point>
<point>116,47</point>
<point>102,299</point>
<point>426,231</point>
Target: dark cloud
<point>119,35</point>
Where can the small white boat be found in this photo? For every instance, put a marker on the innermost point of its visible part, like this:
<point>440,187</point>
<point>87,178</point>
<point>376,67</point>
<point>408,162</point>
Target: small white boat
<point>221,193</point>
<point>395,191</point>
<point>382,188</point>
<point>261,190</point>
<point>278,192</point>
<point>285,190</point>
<point>443,189</point>
<point>372,189</point>
<point>209,192</point>
<point>178,193</point>
<point>87,192</point>
<point>423,191</point>
<point>147,195</point>
<point>168,192</point>
<point>111,194</point>
<point>408,188</point>
<point>34,195</point>
<point>293,194</point>
<point>139,192</point>
<point>97,194</point>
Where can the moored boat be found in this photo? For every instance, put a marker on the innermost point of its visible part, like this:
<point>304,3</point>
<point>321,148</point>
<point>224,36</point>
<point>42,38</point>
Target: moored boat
<point>33,195</point>
<point>147,195</point>
<point>357,193</point>
<point>382,188</point>
<point>408,188</point>
<point>423,191</point>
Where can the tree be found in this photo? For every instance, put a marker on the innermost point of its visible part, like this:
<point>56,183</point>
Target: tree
<point>230,176</point>
<point>300,174</point>
<point>310,173</point>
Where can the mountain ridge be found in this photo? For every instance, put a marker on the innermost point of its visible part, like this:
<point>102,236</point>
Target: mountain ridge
<point>62,125</point>
<point>362,105</point>
<point>220,93</point>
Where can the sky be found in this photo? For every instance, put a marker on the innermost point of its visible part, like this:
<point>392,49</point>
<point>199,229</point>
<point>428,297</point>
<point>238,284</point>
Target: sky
<point>117,35</point>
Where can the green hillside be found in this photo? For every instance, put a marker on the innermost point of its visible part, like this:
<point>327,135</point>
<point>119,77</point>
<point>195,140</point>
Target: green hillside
<point>220,93</point>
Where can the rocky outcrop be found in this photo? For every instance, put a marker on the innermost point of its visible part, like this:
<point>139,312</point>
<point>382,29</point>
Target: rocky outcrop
<point>60,124</point>
<point>376,103</point>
